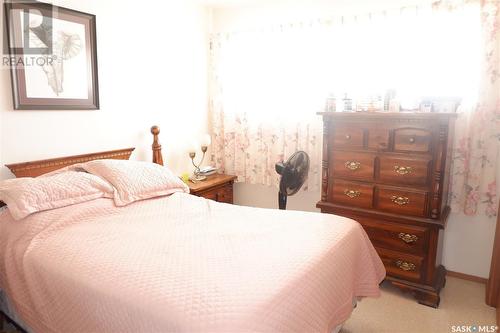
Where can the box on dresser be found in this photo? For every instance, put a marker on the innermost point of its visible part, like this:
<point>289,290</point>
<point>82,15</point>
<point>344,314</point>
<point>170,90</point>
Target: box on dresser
<point>390,172</point>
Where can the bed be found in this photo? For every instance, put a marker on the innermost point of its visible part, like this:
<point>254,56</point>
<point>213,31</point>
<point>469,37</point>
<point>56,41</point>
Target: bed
<point>177,262</point>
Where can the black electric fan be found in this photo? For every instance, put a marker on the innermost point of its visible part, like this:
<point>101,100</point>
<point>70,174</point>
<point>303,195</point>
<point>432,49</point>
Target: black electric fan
<point>293,175</point>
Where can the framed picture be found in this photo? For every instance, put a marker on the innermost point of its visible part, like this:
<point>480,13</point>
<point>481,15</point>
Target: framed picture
<point>52,53</point>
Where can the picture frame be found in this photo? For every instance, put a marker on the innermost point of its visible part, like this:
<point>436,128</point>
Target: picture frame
<point>52,54</point>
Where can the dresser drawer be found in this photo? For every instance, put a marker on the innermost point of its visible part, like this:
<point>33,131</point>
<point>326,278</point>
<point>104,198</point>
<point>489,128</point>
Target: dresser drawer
<point>357,166</point>
<point>412,140</point>
<point>404,171</point>
<point>399,237</point>
<point>378,138</point>
<point>352,194</point>
<point>401,202</point>
<point>222,193</point>
<point>225,194</point>
<point>348,136</point>
<point>402,265</point>
<point>210,195</point>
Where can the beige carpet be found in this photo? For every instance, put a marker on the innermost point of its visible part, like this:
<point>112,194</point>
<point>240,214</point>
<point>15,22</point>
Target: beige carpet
<point>462,303</point>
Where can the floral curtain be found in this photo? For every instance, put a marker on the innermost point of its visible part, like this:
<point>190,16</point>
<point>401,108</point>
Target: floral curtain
<point>267,84</point>
<point>476,152</point>
<point>257,105</point>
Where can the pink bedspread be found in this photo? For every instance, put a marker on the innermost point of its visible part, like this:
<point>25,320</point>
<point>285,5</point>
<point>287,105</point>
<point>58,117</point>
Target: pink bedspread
<point>183,263</point>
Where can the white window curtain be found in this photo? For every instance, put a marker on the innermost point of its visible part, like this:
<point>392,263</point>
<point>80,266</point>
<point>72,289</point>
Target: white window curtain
<point>266,85</point>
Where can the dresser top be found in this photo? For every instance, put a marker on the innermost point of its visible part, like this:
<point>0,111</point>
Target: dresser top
<point>210,182</point>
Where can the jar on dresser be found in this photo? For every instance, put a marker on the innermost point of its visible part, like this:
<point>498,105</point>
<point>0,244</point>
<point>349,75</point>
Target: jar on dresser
<point>390,172</point>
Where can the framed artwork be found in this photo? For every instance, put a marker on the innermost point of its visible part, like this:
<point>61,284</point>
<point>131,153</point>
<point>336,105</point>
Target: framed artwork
<point>52,54</point>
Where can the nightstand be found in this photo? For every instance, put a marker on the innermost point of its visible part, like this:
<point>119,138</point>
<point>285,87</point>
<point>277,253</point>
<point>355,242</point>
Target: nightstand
<point>216,187</point>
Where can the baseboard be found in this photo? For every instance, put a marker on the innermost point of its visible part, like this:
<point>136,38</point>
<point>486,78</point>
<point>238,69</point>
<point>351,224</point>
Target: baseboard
<point>467,277</point>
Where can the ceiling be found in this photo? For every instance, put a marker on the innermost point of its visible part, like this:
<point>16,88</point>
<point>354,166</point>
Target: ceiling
<point>245,3</point>
<point>231,3</point>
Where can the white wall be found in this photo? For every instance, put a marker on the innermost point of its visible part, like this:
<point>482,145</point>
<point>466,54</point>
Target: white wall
<point>468,241</point>
<point>152,70</point>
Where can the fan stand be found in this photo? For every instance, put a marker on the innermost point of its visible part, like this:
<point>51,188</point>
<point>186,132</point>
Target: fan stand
<point>293,175</point>
<point>282,200</point>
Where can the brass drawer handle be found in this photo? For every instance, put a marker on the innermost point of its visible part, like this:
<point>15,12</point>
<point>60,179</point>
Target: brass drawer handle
<point>407,238</point>
<point>406,266</point>
<point>352,193</point>
<point>353,166</point>
<point>402,201</point>
<point>348,137</point>
<point>402,170</point>
<point>412,140</point>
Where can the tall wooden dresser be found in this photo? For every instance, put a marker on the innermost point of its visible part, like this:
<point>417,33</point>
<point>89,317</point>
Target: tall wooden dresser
<point>390,172</point>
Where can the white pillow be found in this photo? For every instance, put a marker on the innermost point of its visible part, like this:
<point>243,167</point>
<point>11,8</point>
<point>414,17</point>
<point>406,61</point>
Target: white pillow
<point>25,196</point>
<point>134,180</point>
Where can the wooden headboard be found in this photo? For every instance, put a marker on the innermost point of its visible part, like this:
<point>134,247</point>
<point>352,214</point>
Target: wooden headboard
<point>38,168</point>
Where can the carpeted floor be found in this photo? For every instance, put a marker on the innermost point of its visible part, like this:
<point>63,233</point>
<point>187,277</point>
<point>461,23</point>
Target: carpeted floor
<point>462,303</point>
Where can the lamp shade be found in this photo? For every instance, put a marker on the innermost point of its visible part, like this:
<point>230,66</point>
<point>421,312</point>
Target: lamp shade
<point>206,140</point>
